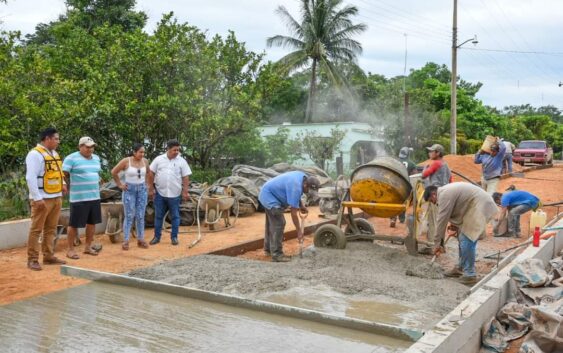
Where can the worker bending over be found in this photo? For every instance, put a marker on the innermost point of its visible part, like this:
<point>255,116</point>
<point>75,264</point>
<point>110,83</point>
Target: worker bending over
<point>468,208</point>
<point>514,204</point>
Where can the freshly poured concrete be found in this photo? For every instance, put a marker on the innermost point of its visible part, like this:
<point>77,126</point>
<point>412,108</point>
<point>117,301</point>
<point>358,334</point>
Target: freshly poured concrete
<point>108,318</point>
<point>364,281</point>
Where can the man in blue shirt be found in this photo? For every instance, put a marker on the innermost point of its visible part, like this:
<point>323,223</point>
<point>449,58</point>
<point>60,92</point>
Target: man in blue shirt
<point>514,204</point>
<point>492,166</point>
<point>276,195</point>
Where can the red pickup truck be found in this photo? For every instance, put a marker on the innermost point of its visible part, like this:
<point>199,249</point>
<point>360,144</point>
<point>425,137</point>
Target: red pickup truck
<point>533,151</point>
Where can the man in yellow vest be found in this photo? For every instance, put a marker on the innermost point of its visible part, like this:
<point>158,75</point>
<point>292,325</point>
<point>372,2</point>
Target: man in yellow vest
<point>45,180</point>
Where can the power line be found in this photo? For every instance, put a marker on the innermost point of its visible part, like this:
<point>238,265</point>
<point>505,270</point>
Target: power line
<point>516,51</point>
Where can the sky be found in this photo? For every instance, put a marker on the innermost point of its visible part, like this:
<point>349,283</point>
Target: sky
<point>518,57</point>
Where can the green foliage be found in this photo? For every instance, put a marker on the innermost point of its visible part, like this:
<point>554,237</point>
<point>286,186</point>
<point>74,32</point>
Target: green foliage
<point>319,148</point>
<point>208,176</point>
<point>323,37</point>
<point>13,196</point>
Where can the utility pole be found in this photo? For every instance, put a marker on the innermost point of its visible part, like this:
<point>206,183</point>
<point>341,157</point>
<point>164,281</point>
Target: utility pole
<point>453,119</point>
<point>407,131</point>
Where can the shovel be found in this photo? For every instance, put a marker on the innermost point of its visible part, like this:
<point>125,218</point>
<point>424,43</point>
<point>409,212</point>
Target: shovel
<point>302,226</point>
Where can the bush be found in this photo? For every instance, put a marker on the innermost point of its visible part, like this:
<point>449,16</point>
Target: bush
<point>13,196</point>
<point>208,176</point>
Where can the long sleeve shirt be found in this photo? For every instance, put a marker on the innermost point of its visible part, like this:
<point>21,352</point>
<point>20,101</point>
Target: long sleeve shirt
<point>492,166</point>
<point>34,170</point>
<point>466,206</point>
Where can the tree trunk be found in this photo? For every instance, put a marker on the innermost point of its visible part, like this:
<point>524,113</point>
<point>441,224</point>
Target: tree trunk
<point>312,89</point>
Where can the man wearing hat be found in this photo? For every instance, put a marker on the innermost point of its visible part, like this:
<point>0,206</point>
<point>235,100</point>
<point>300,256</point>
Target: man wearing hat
<point>276,195</point>
<point>82,173</point>
<point>436,173</point>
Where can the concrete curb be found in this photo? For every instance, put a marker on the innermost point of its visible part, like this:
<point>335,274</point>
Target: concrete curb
<point>401,333</point>
<point>464,335</point>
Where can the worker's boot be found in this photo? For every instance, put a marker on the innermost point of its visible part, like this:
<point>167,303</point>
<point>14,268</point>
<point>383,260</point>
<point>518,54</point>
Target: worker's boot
<point>468,280</point>
<point>281,258</point>
<point>454,272</point>
<point>427,250</point>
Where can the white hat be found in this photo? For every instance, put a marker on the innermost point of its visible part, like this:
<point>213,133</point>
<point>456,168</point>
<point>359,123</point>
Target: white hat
<point>87,141</point>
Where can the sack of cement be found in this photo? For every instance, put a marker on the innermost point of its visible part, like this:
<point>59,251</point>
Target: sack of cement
<point>529,273</point>
<point>489,141</point>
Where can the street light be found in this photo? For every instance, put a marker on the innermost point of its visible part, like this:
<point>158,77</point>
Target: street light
<point>455,46</point>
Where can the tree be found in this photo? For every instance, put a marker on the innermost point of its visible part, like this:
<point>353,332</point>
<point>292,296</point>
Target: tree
<point>323,38</point>
<point>320,148</point>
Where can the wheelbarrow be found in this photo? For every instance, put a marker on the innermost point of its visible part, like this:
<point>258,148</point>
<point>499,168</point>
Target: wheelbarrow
<point>380,188</point>
<point>216,207</point>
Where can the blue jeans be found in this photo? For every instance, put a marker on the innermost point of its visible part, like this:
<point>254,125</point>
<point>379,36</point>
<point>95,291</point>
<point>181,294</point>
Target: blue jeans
<point>467,251</point>
<point>514,218</point>
<point>508,159</point>
<point>134,204</point>
<point>161,206</point>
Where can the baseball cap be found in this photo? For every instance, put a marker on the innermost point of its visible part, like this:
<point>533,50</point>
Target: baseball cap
<point>87,141</point>
<point>313,183</point>
<point>436,147</point>
<point>404,152</point>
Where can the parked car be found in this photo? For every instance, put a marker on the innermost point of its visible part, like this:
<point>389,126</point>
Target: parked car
<point>533,151</point>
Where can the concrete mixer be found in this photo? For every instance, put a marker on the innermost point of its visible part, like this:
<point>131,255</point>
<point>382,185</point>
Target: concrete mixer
<point>380,188</point>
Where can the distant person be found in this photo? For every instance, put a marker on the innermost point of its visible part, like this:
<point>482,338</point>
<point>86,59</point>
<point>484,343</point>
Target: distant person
<point>468,208</point>
<point>45,181</point>
<point>436,173</point>
<point>276,195</point>
<point>82,171</point>
<point>513,205</point>
<point>491,166</point>
<point>411,169</point>
<point>507,162</point>
<point>135,194</point>
<point>170,174</point>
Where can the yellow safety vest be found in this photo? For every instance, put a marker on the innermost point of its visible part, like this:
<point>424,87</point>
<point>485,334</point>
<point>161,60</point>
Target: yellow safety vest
<point>53,176</point>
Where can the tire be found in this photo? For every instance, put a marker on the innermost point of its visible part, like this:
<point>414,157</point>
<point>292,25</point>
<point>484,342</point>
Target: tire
<point>363,225</point>
<point>329,236</point>
<point>211,217</point>
<point>113,226</point>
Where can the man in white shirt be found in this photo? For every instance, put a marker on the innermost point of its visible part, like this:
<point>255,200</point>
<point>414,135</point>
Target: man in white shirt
<point>169,173</point>
<point>44,177</point>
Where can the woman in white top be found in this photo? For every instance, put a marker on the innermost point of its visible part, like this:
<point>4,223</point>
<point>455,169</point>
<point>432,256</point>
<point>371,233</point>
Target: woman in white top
<point>134,193</point>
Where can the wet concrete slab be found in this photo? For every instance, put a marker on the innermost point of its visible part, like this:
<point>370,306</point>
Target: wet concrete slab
<point>100,317</point>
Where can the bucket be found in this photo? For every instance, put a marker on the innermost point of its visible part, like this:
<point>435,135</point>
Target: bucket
<point>489,140</point>
<point>538,219</point>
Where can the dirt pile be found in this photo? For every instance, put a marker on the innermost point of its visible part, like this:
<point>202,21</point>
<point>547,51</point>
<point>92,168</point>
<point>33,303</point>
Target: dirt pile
<point>465,166</point>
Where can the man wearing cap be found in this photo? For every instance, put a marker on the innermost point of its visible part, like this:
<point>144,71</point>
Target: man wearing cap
<point>44,176</point>
<point>411,168</point>
<point>491,163</point>
<point>276,195</point>
<point>436,173</point>
<point>82,172</point>
<point>468,208</point>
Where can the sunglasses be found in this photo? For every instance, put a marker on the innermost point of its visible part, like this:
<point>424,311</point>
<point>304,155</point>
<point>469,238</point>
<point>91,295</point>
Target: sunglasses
<point>139,173</point>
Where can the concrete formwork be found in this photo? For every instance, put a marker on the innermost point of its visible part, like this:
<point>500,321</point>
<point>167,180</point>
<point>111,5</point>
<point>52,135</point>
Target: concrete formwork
<point>460,330</point>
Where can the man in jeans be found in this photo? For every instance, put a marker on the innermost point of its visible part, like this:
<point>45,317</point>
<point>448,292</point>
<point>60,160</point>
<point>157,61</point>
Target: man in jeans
<point>491,163</point>
<point>514,204</point>
<point>44,177</point>
<point>468,208</point>
<point>276,195</point>
<point>170,174</point>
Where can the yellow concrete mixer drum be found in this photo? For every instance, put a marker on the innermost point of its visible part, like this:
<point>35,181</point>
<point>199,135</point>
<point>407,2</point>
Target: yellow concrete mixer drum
<point>381,187</point>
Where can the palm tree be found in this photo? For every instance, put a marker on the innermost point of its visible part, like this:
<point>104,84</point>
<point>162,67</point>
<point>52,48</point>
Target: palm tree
<point>323,39</point>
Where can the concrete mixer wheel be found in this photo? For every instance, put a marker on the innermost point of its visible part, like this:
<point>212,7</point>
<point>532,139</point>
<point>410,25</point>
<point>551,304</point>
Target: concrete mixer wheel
<point>363,225</point>
<point>329,236</point>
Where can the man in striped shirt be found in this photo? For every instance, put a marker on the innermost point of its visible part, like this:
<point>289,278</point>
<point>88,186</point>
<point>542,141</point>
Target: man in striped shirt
<point>82,173</point>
